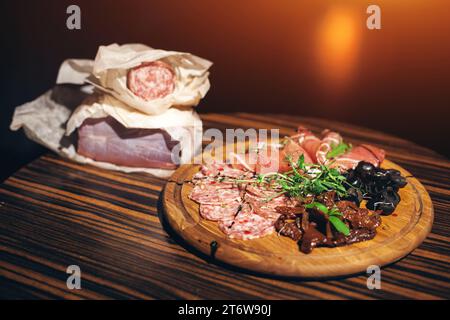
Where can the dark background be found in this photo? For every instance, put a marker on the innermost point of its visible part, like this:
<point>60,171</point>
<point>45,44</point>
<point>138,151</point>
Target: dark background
<point>312,58</point>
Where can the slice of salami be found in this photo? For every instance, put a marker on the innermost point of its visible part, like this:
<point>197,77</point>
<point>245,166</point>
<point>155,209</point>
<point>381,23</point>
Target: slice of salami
<point>210,184</point>
<point>219,212</point>
<point>198,176</point>
<point>211,170</point>
<point>151,80</point>
<point>248,225</point>
<point>216,197</point>
<point>223,170</point>
<point>234,173</point>
<point>225,224</point>
<point>262,192</point>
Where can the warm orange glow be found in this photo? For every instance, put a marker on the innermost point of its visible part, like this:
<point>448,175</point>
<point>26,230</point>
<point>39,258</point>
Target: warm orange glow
<point>338,46</point>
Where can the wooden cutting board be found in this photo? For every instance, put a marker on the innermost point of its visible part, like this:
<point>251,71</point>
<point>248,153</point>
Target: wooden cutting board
<point>397,236</point>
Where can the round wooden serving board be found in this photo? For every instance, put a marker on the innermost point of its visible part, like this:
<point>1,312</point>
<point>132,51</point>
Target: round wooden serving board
<point>399,234</point>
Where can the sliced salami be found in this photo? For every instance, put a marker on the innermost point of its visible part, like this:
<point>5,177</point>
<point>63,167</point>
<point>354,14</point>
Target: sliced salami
<point>219,212</point>
<point>151,80</point>
<point>265,208</point>
<point>215,197</point>
<point>210,185</point>
<point>224,170</point>
<point>220,200</point>
<point>248,225</point>
<point>234,173</point>
<point>261,191</point>
<point>225,224</point>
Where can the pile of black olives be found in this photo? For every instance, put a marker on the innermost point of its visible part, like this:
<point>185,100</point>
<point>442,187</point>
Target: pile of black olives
<point>378,186</point>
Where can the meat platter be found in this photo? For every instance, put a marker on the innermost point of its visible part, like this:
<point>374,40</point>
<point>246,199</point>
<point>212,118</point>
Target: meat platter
<point>234,233</point>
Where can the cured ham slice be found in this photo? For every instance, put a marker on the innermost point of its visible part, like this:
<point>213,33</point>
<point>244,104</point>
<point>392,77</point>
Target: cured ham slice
<point>268,160</point>
<point>378,153</point>
<point>272,159</point>
<point>308,141</point>
<point>318,150</point>
<point>314,150</point>
<point>106,140</point>
<point>293,150</point>
<point>329,140</point>
<point>362,152</point>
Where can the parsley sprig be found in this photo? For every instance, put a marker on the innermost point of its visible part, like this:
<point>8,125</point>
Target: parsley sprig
<point>337,150</point>
<point>333,216</point>
<point>306,179</point>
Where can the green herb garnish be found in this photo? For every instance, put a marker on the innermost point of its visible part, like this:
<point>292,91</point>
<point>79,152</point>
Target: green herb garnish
<point>333,216</point>
<point>306,179</point>
<point>337,150</point>
<point>317,205</point>
<point>339,225</point>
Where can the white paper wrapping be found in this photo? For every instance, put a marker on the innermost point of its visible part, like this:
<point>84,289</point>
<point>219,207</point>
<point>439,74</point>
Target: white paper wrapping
<point>45,121</point>
<point>184,126</point>
<point>52,118</point>
<point>111,65</point>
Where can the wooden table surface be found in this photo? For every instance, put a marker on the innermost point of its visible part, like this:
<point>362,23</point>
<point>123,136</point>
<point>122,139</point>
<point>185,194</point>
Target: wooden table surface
<point>55,213</point>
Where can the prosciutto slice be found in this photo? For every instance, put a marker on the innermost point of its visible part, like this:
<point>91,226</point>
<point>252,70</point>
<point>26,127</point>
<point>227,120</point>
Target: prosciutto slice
<point>362,152</point>
<point>106,140</point>
<point>308,141</point>
<point>329,140</point>
<point>294,150</point>
<point>271,158</point>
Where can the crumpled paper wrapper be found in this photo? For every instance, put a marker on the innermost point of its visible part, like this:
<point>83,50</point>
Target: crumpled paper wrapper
<point>108,73</point>
<point>52,119</point>
<point>45,121</point>
<point>184,126</point>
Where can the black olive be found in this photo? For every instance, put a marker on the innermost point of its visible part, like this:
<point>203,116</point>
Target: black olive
<point>350,174</point>
<point>390,194</point>
<point>380,175</point>
<point>379,186</point>
<point>354,195</point>
<point>393,172</point>
<point>365,171</point>
<point>376,185</point>
<point>355,182</point>
<point>385,207</point>
<point>385,201</point>
<point>398,181</point>
<point>364,167</point>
